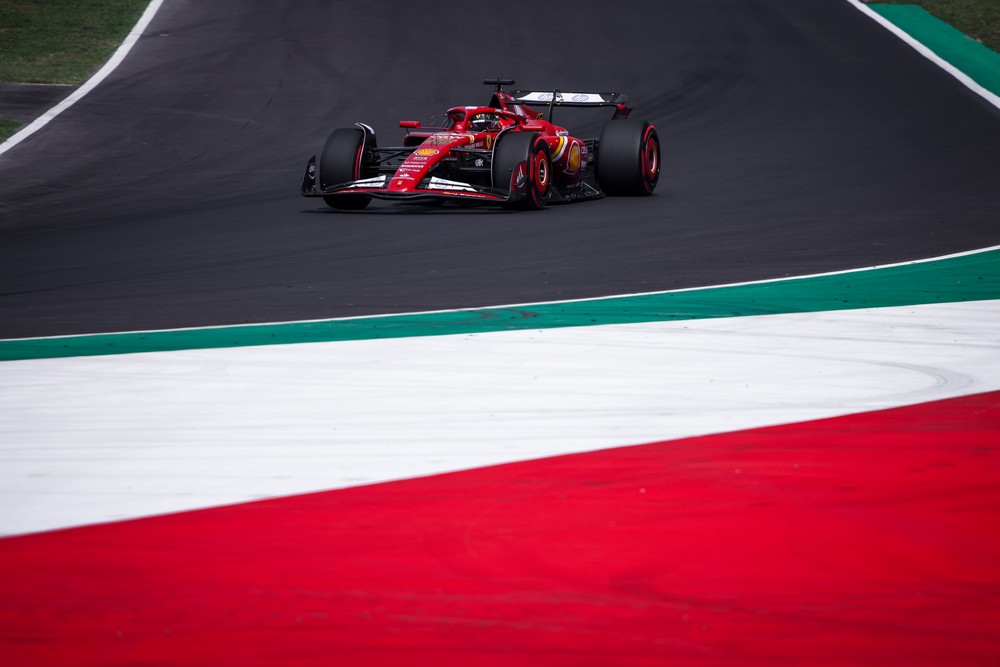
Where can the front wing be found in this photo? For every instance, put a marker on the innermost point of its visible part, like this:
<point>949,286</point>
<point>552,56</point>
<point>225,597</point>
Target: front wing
<point>428,189</point>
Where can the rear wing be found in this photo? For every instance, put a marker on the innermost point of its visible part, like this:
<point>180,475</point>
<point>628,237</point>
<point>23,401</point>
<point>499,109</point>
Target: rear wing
<point>558,98</point>
<point>565,99</point>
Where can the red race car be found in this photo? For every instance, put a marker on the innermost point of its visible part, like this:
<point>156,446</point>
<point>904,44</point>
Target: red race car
<point>505,153</point>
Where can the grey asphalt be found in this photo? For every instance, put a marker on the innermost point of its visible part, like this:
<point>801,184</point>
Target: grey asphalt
<point>24,102</point>
<point>799,137</point>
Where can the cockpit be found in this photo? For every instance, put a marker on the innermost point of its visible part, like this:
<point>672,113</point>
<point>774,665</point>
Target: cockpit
<point>484,122</point>
<point>477,119</point>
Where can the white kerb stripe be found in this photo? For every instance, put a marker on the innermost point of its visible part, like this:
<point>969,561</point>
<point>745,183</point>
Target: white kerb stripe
<point>927,53</point>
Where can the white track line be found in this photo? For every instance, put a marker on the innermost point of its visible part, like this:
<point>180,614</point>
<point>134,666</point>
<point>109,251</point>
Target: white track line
<point>92,83</point>
<point>927,53</point>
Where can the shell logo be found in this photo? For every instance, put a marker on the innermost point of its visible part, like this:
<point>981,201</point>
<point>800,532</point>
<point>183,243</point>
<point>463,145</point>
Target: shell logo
<point>426,152</point>
<point>574,159</point>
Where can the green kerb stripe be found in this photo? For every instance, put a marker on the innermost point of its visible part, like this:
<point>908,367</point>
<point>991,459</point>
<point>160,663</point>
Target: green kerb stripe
<point>964,278</point>
<point>979,62</point>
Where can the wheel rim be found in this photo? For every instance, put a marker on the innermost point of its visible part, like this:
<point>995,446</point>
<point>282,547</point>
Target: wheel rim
<point>539,177</point>
<point>651,160</point>
<point>541,172</point>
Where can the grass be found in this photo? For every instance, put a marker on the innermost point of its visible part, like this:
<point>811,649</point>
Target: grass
<point>979,19</point>
<point>8,127</point>
<point>59,41</point>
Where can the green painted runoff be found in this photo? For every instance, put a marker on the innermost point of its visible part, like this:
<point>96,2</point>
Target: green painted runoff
<point>977,61</point>
<point>970,277</point>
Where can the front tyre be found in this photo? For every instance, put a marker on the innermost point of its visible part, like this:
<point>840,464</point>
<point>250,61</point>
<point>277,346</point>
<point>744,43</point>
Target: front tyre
<point>628,158</point>
<point>343,161</point>
<point>522,166</point>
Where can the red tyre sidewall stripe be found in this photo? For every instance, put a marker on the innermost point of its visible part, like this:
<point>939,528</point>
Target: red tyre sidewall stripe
<point>647,178</point>
<point>357,160</point>
<point>539,190</point>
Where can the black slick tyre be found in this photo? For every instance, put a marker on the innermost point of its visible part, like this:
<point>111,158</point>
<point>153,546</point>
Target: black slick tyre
<point>343,161</point>
<point>628,158</point>
<point>521,161</point>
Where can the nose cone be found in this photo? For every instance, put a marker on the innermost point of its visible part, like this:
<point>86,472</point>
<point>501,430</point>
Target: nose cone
<point>422,160</point>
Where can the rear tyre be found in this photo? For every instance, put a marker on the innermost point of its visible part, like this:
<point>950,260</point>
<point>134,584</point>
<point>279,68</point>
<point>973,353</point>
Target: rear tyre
<point>521,161</point>
<point>343,161</point>
<point>628,158</point>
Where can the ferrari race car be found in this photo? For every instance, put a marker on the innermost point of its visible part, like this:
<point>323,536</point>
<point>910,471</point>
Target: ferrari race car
<point>505,153</point>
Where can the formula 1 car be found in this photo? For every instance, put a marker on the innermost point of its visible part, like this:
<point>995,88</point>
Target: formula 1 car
<point>504,153</point>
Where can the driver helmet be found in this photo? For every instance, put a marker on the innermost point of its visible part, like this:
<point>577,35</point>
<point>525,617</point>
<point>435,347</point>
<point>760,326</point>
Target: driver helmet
<point>484,122</point>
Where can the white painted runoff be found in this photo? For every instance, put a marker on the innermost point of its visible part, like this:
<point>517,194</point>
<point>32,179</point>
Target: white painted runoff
<point>95,439</point>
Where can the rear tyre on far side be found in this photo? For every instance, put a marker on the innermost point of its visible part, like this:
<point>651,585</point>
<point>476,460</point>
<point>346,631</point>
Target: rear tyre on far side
<point>628,158</point>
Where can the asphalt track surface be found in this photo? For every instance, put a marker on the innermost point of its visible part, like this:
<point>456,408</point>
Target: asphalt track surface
<point>799,137</point>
